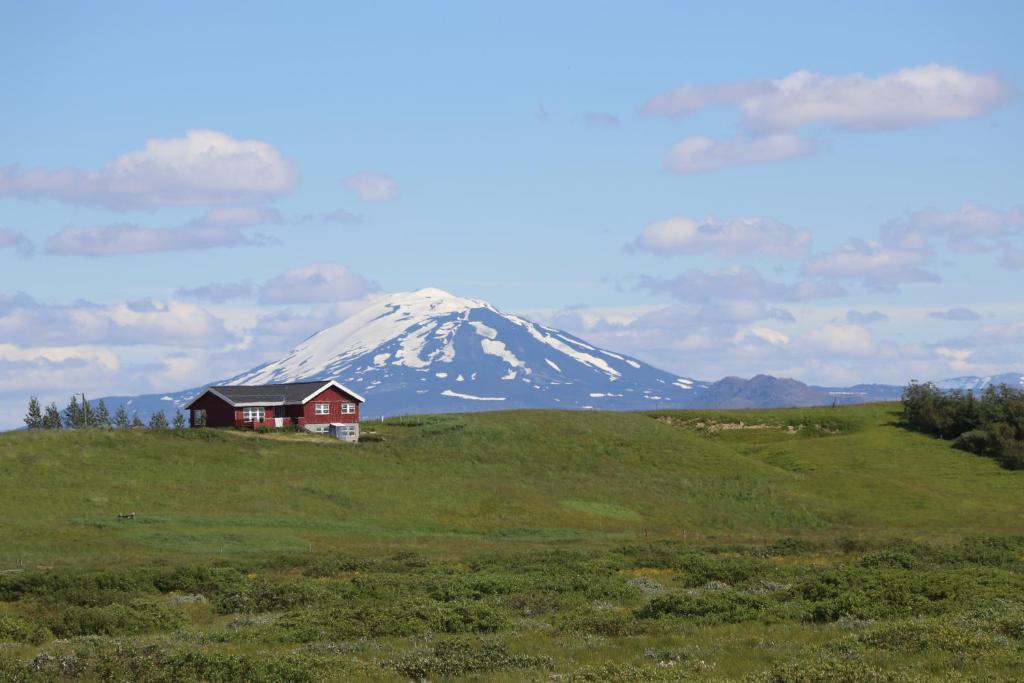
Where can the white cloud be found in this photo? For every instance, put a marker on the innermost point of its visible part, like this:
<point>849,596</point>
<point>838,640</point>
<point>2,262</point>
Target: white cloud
<point>967,228</point>
<point>600,118</point>
<point>847,340</point>
<point>958,359</point>
<point>1012,258</point>
<point>755,235</point>
<point>862,318</point>
<point>698,153</point>
<point>10,239</point>
<point>221,227</point>
<point>206,167</point>
<point>216,292</point>
<point>690,98</point>
<point>27,322</point>
<point>765,334</point>
<point>878,266</point>
<point>907,97</point>
<point>316,283</point>
<point>371,186</point>
<point>956,315</point>
<point>738,282</point>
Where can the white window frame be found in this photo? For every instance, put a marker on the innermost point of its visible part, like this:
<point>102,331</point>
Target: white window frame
<point>348,430</point>
<point>249,414</point>
<point>322,409</point>
<point>348,408</point>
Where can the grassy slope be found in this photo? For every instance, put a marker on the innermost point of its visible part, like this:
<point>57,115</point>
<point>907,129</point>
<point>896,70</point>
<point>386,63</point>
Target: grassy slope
<point>495,479</point>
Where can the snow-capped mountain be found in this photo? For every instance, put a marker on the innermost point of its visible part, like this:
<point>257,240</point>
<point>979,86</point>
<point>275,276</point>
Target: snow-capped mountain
<point>976,384</point>
<point>431,351</point>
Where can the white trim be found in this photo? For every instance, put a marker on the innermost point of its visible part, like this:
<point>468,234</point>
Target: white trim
<point>251,417</point>
<point>339,385</point>
<point>210,390</point>
<point>249,404</point>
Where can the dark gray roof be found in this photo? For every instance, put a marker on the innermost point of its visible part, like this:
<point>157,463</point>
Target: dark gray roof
<point>295,392</point>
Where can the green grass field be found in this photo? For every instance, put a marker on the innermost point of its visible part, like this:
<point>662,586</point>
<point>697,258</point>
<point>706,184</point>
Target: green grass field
<point>798,544</point>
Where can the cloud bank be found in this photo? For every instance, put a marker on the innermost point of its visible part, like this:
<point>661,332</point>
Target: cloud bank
<point>203,168</point>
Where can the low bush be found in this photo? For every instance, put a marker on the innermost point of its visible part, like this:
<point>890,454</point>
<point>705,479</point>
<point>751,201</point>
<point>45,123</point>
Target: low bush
<point>717,606</point>
<point>17,630</point>
<point>458,658</point>
<point>117,619</point>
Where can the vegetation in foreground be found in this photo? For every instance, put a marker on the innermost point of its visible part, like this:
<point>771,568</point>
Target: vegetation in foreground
<point>790,611</point>
<point>731,545</point>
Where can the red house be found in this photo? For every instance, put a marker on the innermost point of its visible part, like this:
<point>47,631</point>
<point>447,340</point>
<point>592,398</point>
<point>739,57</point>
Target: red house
<point>324,407</point>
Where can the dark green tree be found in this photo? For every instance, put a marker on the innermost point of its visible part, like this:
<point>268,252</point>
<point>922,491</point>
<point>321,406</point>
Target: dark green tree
<point>121,420</point>
<point>34,414</point>
<point>102,415</point>
<point>88,414</point>
<point>73,413</point>
<point>136,422</point>
<point>179,420</point>
<point>51,419</point>
<point>158,420</point>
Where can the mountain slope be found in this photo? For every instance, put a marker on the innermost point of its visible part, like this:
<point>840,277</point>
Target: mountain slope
<point>430,351</point>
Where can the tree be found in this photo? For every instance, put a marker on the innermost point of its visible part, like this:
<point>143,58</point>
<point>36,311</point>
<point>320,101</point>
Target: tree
<point>179,420</point>
<point>136,422</point>
<point>158,420</point>
<point>88,416</point>
<point>34,415</point>
<point>73,413</point>
<point>102,417</point>
<point>121,420</point>
<point>51,420</point>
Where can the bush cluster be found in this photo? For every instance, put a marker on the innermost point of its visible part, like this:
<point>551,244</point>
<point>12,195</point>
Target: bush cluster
<point>992,425</point>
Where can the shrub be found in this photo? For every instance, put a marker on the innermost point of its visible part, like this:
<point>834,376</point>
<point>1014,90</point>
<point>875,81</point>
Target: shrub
<point>992,425</point>
<point>458,658</point>
<point>117,619</point>
<point>824,668</point>
<point>720,606</point>
<point>18,630</point>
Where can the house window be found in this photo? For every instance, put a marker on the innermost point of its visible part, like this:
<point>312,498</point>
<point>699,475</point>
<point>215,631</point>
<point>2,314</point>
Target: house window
<point>347,430</point>
<point>318,429</point>
<point>198,418</point>
<point>252,414</point>
<point>322,409</point>
<point>348,408</point>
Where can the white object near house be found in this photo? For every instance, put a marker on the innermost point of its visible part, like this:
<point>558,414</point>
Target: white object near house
<point>345,431</point>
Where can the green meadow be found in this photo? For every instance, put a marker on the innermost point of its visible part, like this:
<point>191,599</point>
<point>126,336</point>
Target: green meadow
<point>781,545</point>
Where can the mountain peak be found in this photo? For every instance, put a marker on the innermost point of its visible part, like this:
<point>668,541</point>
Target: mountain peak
<point>430,299</point>
<point>430,350</point>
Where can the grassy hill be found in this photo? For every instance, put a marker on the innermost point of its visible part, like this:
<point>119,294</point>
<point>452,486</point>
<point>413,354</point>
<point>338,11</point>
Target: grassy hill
<point>495,479</point>
<point>802,544</point>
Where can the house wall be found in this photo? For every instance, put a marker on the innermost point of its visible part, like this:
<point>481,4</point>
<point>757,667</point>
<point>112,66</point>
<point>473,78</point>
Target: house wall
<point>335,397</point>
<point>221,414</point>
<point>218,412</point>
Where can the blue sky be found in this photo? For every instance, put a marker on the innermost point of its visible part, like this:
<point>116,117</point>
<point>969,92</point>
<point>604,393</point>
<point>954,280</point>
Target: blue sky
<point>828,157</point>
